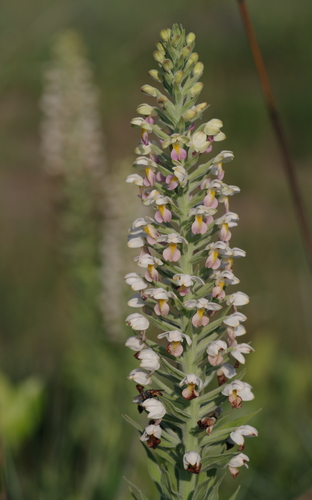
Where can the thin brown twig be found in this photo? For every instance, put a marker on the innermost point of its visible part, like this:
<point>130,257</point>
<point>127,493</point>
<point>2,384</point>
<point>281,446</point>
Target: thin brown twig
<point>288,163</point>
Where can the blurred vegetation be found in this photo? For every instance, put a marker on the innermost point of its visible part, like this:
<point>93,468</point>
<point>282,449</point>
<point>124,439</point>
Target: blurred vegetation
<point>71,442</point>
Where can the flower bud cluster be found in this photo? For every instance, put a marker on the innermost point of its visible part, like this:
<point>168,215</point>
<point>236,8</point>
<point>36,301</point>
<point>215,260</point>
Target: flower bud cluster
<point>187,260</point>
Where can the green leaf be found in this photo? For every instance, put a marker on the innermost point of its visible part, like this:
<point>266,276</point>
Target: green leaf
<point>214,495</point>
<point>174,410</point>
<point>167,486</point>
<point>171,369</point>
<point>152,466</point>
<point>202,491</point>
<point>165,455</point>
<point>212,326</point>
<point>233,497</point>
<point>199,172</point>
<point>237,422</point>
<point>161,324</point>
<point>204,290</point>
<point>133,423</point>
<point>141,495</point>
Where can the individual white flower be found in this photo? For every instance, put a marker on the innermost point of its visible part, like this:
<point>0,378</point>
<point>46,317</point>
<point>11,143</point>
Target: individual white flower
<point>213,127</point>
<point>135,281</point>
<point>137,321</point>
<point>154,408</point>
<point>199,142</point>
<point>225,372</point>
<point>171,253</point>
<point>191,462</point>
<point>235,319</point>
<point>136,238</point>
<point>135,179</point>
<point>136,301</point>
<point>213,351</point>
<point>181,174</point>
<point>139,122</point>
<point>185,281</point>
<point>145,224</point>
<point>237,299</point>
<point>237,461</point>
<point>238,436</point>
<point>162,297</point>
<point>192,381</point>
<point>202,305</point>
<point>149,359</point>
<point>225,221</point>
<point>140,376</point>
<point>175,337</point>
<point>238,351</point>
<point>135,343</point>
<point>237,392</point>
<point>152,435</point>
<point>149,262</point>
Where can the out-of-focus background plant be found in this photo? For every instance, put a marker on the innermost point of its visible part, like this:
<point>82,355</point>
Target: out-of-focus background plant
<point>69,78</point>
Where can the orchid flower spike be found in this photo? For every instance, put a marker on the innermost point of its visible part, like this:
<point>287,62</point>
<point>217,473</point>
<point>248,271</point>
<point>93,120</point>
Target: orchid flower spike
<point>186,289</point>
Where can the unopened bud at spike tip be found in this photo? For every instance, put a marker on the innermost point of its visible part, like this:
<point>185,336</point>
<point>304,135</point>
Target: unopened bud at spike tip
<point>160,47</point>
<point>167,65</point>
<point>175,40</point>
<point>158,56</point>
<point>196,89</point>
<point>198,69</point>
<point>165,35</point>
<point>190,38</point>
<point>149,90</point>
<point>153,73</point>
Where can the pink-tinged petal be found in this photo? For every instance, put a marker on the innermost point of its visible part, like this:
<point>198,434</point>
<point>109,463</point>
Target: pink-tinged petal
<point>182,154</point>
<point>174,155</point>
<point>172,182</point>
<point>175,349</point>
<point>160,177</point>
<point>144,138</point>
<point>218,292</point>
<point>183,290</point>
<point>148,277</point>
<point>157,309</point>
<point>150,120</point>
<point>171,256</point>
<point>220,172</point>
<point>158,217</point>
<point>205,321</point>
<point>209,149</point>
<point>199,226</point>
<point>167,215</point>
<point>225,233</point>
<point>210,201</point>
<point>213,263</point>
<point>209,220</point>
<point>214,361</point>
<point>152,274</point>
<point>189,393</point>
<point>164,307</point>
<point>150,175</point>
<point>200,320</point>
<point>151,240</point>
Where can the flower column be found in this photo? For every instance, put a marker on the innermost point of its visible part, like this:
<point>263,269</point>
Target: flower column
<point>185,251</point>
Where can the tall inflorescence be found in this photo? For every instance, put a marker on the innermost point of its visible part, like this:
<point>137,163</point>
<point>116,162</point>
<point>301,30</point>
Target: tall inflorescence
<point>186,265</point>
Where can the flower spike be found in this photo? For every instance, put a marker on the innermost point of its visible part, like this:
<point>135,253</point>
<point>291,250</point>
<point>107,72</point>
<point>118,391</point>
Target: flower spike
<point>186,287</point>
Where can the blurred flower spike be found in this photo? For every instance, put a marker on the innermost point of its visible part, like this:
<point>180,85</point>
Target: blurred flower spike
<point>187,262</point>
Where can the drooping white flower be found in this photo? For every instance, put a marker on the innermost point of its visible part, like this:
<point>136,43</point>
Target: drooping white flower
<point>225,372</point>
<point>235,319</point>
<point>135,343</point>
<point>140,376</point>
<point>135,281</point>
<point>137,321</point>
<point>135,179</point>
<point>237,299</point>
<point>175,337</point>
<point>172,253</point>
<point>238,351</point>
<point>237,392</point>
<point>136,238</point>
<point>185,281</point>
<point>151,436</point>
<point>191,462</point>
<point>237,461</point>
<point>136,301</point>
<point>149,359</point>
<point>201,304</point>
<point>162,297</point>
<point>192,381</point>
<point>199,142</point>
<point>213,351</point>
<point>154,408</point>
<point>238,436</point>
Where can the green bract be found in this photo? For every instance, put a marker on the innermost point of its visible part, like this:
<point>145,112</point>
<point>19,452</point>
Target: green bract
<point>187,266</point>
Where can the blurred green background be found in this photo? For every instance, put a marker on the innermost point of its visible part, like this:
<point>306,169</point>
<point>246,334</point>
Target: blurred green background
<point>63,378</point>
